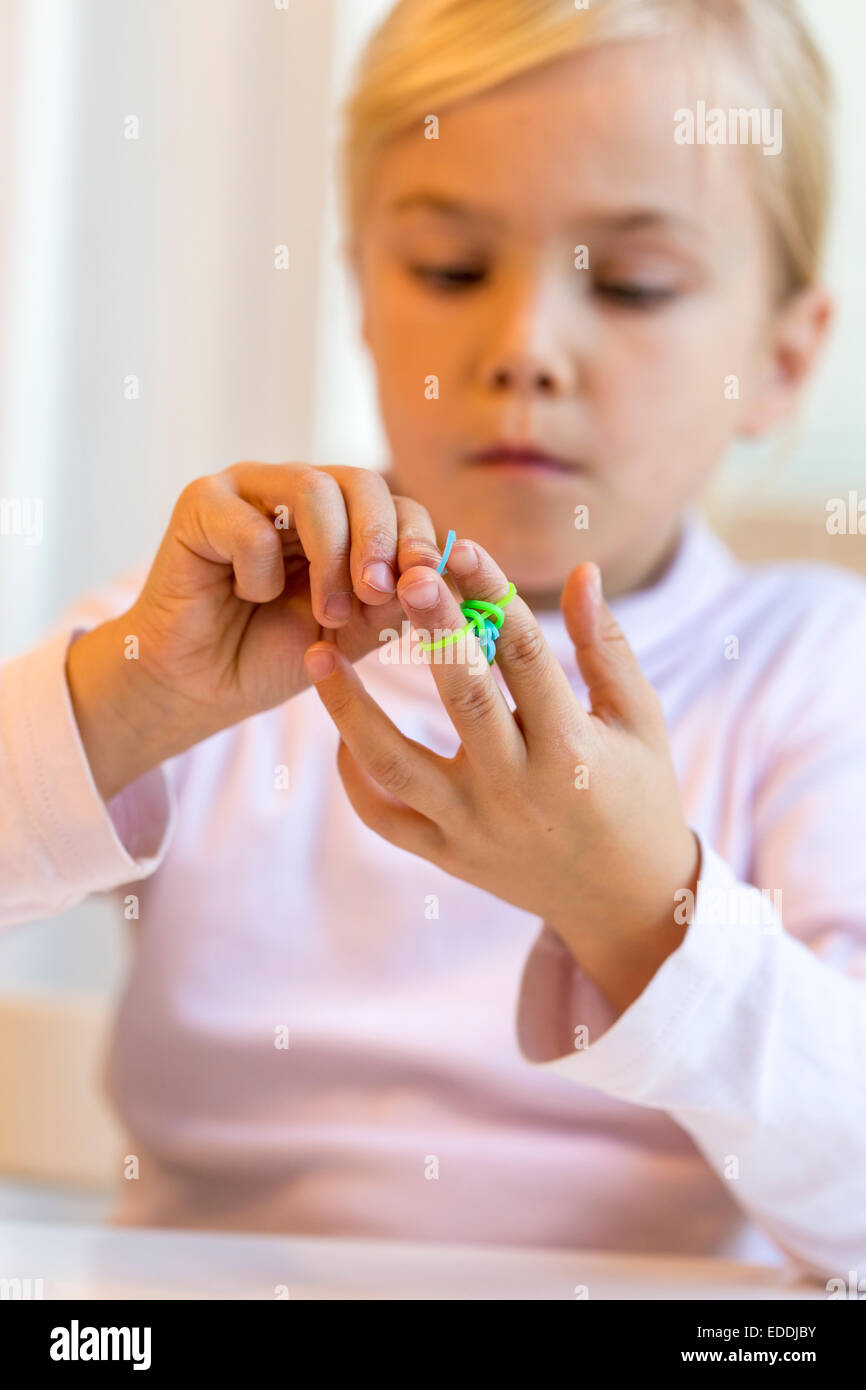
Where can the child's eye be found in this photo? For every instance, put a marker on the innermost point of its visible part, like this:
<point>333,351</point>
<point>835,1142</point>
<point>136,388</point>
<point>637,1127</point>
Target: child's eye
<point>636,296</point>
<point>449,277</point>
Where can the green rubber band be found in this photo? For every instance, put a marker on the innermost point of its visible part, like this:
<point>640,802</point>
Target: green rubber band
<point>493,609</point>
<point>444,641</point>
<point>476,609</point>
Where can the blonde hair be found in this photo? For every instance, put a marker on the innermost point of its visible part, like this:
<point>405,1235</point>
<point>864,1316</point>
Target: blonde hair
<point>427,54</point>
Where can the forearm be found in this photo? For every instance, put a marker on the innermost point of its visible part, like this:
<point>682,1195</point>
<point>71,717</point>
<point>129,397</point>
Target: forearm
<point>127,723</point>
<point>622,953</point>
<point>59,840</point>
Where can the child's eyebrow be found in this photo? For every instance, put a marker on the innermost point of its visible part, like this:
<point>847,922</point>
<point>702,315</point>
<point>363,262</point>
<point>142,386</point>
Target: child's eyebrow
<point>646,219</point>
<point>630,220</point>
<point>445,206</point>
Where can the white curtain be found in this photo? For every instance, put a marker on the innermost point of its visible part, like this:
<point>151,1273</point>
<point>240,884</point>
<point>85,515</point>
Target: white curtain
<point>153,156</point>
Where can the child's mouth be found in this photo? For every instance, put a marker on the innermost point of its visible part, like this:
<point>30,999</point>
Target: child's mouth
<point>523,458</point>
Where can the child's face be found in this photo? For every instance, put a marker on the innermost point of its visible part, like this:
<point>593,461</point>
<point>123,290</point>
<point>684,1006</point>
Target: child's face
<point>619,369</point>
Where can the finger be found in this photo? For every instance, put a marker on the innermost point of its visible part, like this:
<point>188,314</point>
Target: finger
<point>472,699</point>
<point>218,527</point>
<point>322,524</point>
<point>309,501</point>
<point>399,765</point>
<point>416,535</point>
<point>617,687</point>
<point>346,524</point>
<point>373,525</point>
<point>389,817</point>
<point>542,694</point>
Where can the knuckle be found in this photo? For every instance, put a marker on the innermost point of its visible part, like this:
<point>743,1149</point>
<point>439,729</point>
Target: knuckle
<point>199,490</point>
<point>257,540</point>
<point>368,487</point>
<point>314,481</point>
<point>331,567</point>
<point>610,631</point>
<point>477,699</point>
<point>416,521</point>
<point>376,537</point>
<point>373,483</point>
<point>576,755</point>
<point>341,705</point>
<point>416,510</point>
<point>391,771</point>
<point>525,647</point>
<point>420,545</point>
<point>233,471</point>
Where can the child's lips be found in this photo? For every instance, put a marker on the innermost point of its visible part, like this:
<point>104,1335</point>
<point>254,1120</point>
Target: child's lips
<point>525,459</point>
<point>526,468</point>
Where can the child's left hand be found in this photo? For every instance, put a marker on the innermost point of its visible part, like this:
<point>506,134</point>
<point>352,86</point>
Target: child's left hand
<point>598,856</point>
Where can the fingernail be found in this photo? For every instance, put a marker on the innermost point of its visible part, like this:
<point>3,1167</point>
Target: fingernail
<point>379,576</point>
<point>319,663</point>
<point>595,582</point>
<point>338,606</point>
<point>422,594</point>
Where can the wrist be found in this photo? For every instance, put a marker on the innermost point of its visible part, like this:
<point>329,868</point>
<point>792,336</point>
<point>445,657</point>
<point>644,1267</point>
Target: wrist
<point>623,955</point>
<point>126,723</point>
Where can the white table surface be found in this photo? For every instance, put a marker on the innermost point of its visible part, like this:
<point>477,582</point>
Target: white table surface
<point>96,1262</point>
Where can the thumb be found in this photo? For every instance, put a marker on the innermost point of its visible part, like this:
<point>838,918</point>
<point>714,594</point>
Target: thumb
<point>617,687</point>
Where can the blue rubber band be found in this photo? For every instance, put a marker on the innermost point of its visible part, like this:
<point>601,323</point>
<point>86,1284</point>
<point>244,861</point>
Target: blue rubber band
<point>440,568</point>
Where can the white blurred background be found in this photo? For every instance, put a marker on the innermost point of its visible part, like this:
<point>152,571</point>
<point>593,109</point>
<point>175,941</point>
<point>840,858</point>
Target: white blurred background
<point>153,257</point>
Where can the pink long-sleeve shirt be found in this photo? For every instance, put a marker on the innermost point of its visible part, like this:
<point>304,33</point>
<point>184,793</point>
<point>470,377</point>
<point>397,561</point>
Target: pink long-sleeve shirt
<point>431,1087</point>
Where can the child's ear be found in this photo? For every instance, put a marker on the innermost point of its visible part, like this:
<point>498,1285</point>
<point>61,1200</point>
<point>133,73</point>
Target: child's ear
<point>795,340</point>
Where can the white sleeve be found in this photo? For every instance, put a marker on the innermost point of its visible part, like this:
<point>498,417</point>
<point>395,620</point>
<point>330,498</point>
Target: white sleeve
<point>752,1033</point>
<point>59,840</point>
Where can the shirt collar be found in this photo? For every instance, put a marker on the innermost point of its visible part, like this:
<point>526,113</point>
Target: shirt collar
<point>653,617</point>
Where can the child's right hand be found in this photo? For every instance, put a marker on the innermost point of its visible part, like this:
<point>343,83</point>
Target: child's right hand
<point>238,590</point>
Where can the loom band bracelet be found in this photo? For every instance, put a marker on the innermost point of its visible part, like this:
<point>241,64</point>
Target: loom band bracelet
<point>485,617</point>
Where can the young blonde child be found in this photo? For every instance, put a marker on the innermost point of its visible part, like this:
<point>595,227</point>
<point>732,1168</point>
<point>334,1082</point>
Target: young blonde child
<point>569,950</point>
